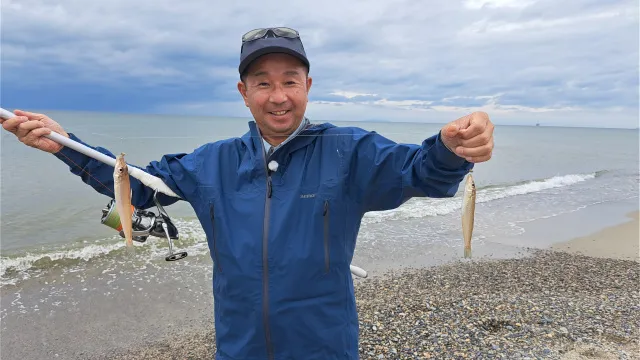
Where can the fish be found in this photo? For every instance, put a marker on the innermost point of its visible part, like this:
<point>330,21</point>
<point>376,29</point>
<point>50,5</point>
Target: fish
<point>122,188</point>
<point>468,213</point>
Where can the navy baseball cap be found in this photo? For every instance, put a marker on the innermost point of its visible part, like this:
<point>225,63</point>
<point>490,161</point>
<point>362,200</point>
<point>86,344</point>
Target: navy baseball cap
<point>258,42</point>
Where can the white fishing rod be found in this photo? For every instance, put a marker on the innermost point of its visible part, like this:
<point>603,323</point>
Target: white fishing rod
<point>144,177</point>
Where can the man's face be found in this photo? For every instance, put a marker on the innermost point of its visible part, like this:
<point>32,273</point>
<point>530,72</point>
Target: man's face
<point>276,92</point>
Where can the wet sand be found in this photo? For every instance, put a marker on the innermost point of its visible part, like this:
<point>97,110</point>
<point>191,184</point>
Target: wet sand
<point>619,242</point>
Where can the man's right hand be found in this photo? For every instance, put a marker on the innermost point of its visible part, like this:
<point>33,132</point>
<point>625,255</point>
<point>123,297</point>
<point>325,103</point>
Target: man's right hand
<point>31,128</point>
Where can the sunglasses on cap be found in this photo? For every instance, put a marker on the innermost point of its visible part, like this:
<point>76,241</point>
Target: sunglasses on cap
<point>256,34</point>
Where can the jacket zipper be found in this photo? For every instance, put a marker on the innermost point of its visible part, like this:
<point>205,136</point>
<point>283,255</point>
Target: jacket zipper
<point>265,257</point>
<point>325,214</point>
<point>215,243</point>
<point>265,253</point>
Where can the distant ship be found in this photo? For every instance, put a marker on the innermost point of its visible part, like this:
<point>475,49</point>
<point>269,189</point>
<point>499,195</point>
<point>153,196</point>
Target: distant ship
<point>537,124</point>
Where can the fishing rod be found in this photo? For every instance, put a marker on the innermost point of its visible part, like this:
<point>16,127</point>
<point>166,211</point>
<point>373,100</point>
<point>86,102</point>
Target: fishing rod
<point>146,178</point>
<point>145,223</point>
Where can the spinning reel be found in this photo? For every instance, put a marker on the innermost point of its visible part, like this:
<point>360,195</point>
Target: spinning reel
<point>145,224</point>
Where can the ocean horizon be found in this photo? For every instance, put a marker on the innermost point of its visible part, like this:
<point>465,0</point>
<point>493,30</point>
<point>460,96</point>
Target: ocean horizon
<point>545,123</point>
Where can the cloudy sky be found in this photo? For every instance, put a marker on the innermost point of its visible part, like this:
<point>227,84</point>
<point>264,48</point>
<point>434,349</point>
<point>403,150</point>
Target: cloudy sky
<point>558,63</point>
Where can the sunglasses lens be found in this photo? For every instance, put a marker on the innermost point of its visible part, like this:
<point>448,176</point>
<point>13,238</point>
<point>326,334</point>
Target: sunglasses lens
<point>254,34</point>
<point>279,31</point>
<point>285,32</point>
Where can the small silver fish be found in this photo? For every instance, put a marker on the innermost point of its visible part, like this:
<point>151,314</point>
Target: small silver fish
<point>122,187</point>
<point>468,213</point>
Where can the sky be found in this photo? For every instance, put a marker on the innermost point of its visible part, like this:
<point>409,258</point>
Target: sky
<point>570,63</point>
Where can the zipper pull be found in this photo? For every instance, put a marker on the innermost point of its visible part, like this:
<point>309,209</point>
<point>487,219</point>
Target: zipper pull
<point>269,187</point>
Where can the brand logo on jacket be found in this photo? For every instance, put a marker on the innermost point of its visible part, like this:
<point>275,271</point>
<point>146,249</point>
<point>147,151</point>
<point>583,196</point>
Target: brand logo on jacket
<point>307,196</point>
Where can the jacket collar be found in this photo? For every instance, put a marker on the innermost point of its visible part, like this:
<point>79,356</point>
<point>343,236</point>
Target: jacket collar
<point>253,138</point>
<point>303,124</point>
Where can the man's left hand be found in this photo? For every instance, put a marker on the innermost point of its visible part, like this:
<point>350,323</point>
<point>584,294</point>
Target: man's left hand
<point>470,137</point>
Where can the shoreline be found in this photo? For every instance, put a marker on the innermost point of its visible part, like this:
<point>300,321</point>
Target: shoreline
<point>620,241</point>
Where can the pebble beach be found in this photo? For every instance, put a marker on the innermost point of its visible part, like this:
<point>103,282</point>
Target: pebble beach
<point>553,304</point>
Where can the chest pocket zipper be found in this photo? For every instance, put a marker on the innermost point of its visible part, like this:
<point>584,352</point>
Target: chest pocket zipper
<point>213,231</point>
<point>325,214</point>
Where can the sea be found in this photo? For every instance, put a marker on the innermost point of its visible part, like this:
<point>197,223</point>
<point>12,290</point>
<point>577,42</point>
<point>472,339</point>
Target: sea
<point>58,263</point>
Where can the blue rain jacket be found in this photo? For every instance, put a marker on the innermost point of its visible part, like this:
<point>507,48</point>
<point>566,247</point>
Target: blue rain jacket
<point>282,241</point>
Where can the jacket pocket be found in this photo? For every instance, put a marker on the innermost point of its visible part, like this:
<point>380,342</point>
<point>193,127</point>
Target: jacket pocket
<point>214,237</point>
<point>326,214</point>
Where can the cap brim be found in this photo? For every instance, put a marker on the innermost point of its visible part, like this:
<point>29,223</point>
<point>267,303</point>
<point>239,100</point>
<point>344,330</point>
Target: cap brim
<point>270,50</point>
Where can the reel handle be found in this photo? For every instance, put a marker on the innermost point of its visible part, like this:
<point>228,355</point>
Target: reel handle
<point>172,256</point>
<point>176,256</point>
<point>166,220</point>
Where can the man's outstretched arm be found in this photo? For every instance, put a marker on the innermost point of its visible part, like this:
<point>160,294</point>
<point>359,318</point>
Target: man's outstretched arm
<point>177,171</point>
<point>384,174</point>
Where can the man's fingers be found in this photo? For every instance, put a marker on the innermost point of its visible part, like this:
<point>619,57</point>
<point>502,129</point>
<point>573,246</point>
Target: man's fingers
<point>25,127</point>
<point>475,151</point>
<point>30,115</point>
<point>13,123</point>
<point>451,130</point>
<point>476,141</point>
<point>35,135</point>
<point>463,122</point>
<point>475,128</point>
<point>478,123</point>
<point>477,159</point>
<point>474,138</point>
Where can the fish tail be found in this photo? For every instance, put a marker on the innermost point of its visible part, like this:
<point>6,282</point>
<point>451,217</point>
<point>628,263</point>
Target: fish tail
<point>131,250</point>
<point>467,252</point>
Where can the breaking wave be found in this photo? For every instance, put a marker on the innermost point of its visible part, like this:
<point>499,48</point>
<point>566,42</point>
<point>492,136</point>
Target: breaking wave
<point>420,207</point>
<point>193,240</point>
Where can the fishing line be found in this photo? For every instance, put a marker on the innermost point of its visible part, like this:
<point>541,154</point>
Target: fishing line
<point>88,173</point>
<point>235,136</point>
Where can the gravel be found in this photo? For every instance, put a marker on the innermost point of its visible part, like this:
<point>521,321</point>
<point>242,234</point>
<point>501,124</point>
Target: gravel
<point>552,305</point>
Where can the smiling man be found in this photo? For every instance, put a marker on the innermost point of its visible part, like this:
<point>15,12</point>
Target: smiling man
<point>281,205</point>
<point>275,88</point>
<point>275,81</point>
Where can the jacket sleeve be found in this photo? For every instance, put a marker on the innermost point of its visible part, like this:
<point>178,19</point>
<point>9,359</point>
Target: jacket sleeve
<point>177,171</point>
<point>384,174</point>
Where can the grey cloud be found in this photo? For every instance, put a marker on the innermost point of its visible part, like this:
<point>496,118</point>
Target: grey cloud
<point>520,54</point>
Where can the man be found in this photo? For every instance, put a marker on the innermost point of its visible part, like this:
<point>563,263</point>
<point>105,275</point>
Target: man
<point>281,206</point>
